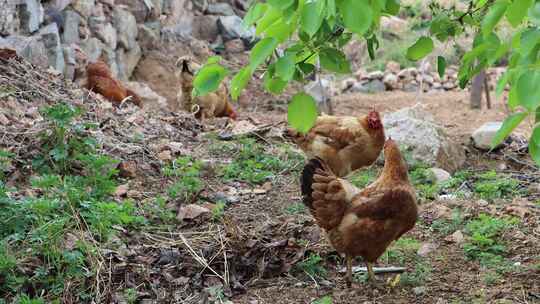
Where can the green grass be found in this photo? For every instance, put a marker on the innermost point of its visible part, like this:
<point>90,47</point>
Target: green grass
<point>490,185</point>
<point>295,208</point>
<point>402,250</point>
<point>312,265</point>
<point>485,243</point>
<point>448,226</point>
<point>363,178</point>
<point>253,164</point>
<point>50,241</point>
<point>185,173</point>
<point>417,277</point>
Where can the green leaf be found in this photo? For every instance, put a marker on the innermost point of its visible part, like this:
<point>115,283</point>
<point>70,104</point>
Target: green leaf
<point>480,3</point>
<point>281,4</point>
<point>331,9</point>
<point>306,68</point>
<point>261,51</point>
<point>274,84</point>
<point>285,67</point>
<point>271,15</point>
<point>534,145</point>
<point>213,59</point>
<point>302,112</point>
<point>254,13</point>
<point>420,49</point>
<point>441,66</point>
<point>501,84</point>
<point>517,11</point>
<point>392,7</point>
<point>312,16</point>
<point>494,15</point>
<point>527,89</point>
<point>357,15</point>
<point>334,60</point>
<point>324,300</point>
<point>513,99</point>
<point>279,30</point>
<point>208,79</point>
<point>509,124</point>
<point>239,82</point>
<point>537,115</point>
<point>534,14</point>
<point>373,45</point>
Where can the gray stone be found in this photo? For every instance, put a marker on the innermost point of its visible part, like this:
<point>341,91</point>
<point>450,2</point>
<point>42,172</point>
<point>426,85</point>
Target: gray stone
<point>393,67</point>
<point>126,27</point>
<point>231,27</point>
<point>376,75</point>
<point>201,5</point>
<point>221,9</point>
<point>30,48</point>
<point>484,135</point>
<point>427,142</point>
<point>426,248</point>
<point>440,174</point>
<point>205,28</point>
<point>373,86</point>
<point>51,39</point>
<point>127,61</point>
<point>318,89</point>
<point>32,15</point>
<point>70,62</point>
<point>148,38</point>
<point>391,81</point>
<point>8,15</point>
<point>83,7</point>
<point>149,98</point>
<point>410,87</point>
<point>60,5</point>
<point>93,48</point>
<point>419,290</point>
<point>109,56</point>
<point>107,34</point>
<point>71,29</point>
<point>139,8</point>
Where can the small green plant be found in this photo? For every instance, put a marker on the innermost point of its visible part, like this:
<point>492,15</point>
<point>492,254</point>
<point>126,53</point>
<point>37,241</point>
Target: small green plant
<point>312,266</point>
<point>5,162</point>
<point>490,186</point>
<point>295,208</point>
<point>187,173</point>
<point>419,276</point>
<point>447,226</point>
<point>324,300</point>
<point>253,164</point>
<point>402,249</point>
<point>491,277</point>
<point>218,211</point>
<point>424,181</point>
<point>131,295</point>
<point>485,244</point>
<point>364,177</point>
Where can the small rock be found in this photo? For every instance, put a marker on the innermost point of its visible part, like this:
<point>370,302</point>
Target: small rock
<point>390,81</point>
<point>150,99</point>
<point>71,29</point>
<point>484,135</point>
<point>222,9</point>
<point>126,26</point>
<point>440,174</point>
<point>176,147</point>
<point>31,15</point>
<point>376,75</point>
<point>259,191</point>
<point>107,34</point>
<point>147,37</point>
<point>347,84</point>
<point>168,256</point>
<point>482,203</point>
<point>128,169</point>
<point>373,86</point>
<point>191,212</point>
<point>231,27</point>
<point>84,7</point>
<point>419,290</point>
<point>134,194</point>
<point>456,237</point>
<point>393,67</point>
<point>449,85</point>
<point>51,38</point>
<point>165,155</point>
<point>426,249</point>
<point>121,190</point>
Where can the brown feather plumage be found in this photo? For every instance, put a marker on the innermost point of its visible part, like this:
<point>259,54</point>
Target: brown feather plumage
<point>344,143</point>
<point>362,222</point>
<point>100,80</point>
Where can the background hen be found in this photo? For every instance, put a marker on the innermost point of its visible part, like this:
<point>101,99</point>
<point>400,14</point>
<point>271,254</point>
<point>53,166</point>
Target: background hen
<point>215,104</point>
<point>362,222</point>
<point>344,143</point>
<point>100,80</point>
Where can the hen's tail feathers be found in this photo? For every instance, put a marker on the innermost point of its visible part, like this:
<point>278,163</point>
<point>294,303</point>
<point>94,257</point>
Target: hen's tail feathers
<point>306,180</point>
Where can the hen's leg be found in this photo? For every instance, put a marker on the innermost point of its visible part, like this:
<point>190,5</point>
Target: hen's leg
<point>349,271</point>
<point>371,274</point>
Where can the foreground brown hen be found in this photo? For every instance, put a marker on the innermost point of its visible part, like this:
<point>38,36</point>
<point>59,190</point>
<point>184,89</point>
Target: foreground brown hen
<point>100,80</point>
<point>362,222</point>
<point>344,143</point>
<point>215,104</point>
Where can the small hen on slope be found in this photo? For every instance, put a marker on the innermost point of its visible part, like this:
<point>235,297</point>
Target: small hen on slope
<point>344,143</point>
<point>362,222</point>
<point>100,80</point>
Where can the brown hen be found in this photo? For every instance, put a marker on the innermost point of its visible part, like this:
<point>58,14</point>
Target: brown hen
<point>215,104</point>
<point>101,80</point>
<point>362,222</point>
<point>344,143</point>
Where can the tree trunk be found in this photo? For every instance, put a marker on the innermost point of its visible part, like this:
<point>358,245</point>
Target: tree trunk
<point>486,89</point>
<point>477,90</point>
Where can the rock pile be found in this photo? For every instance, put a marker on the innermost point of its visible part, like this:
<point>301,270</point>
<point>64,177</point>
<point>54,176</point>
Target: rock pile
<point>409,79</point>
